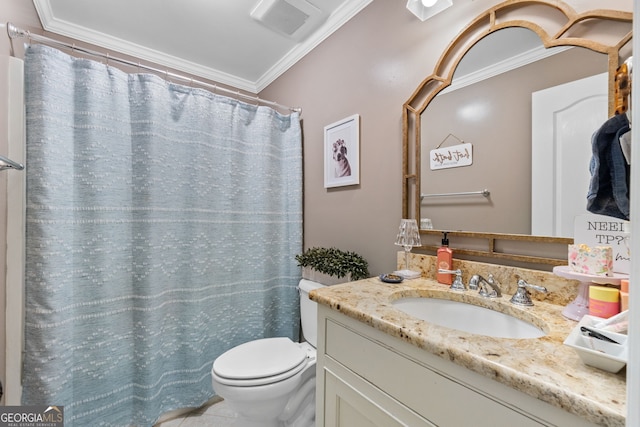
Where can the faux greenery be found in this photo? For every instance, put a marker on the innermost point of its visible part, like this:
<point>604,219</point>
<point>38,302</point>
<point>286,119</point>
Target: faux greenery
<point>334,262</point>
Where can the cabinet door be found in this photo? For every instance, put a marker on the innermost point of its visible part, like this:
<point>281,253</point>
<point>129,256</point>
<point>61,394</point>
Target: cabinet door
<point>344,407</point>
<point>350,402</point>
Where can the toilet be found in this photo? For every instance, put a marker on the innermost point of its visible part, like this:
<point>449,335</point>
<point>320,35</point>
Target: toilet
<point>271,382</point>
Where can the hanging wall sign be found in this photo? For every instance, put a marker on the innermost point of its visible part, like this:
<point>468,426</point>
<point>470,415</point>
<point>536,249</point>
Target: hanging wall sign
<point>600,230</point>
<point>451,157</point>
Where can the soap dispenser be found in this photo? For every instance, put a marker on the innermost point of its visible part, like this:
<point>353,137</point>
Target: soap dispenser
<point>444,261</point>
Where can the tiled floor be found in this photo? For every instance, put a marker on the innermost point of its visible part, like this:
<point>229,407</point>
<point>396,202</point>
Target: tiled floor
<point>216,414</point>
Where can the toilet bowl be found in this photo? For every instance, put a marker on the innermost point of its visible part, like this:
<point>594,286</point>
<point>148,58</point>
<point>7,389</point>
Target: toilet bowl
<point>270,382</point>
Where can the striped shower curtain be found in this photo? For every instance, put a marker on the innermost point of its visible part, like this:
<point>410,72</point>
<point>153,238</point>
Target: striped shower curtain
<point>162,227</point>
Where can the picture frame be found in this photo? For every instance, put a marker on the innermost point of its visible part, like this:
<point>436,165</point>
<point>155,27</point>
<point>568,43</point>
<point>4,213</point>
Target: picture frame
<point>342,152</point>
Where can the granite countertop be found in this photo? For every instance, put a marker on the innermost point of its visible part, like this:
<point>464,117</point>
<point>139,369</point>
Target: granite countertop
<point>540,367</point>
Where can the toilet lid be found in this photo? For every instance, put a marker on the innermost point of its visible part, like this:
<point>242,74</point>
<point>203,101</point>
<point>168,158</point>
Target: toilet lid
<point>261,358</point>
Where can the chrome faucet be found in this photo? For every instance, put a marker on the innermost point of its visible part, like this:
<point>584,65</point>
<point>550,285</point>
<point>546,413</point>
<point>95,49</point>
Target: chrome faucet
<point>522,297</point>
<point>487,288</point>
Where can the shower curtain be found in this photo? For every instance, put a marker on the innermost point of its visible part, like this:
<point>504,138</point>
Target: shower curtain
<point>162,227</point>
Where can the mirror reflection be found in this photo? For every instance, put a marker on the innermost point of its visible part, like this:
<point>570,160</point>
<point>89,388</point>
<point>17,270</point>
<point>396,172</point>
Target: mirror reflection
<point>489,106</point>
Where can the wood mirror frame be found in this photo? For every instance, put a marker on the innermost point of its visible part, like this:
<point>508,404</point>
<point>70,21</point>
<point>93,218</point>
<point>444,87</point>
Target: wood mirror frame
<point>557,24</point>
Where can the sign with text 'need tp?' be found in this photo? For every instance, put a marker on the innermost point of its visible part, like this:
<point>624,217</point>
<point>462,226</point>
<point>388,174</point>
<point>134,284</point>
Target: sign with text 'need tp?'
<point>451,157</point>
<point>600,230</point>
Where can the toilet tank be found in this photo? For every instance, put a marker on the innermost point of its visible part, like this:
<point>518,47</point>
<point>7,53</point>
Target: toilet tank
<point>309,311</point>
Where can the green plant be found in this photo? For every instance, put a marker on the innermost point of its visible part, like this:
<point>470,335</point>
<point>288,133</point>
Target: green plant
<point>334,262</point>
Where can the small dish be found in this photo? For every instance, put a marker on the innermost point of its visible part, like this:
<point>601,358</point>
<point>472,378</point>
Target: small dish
<point>596,352</point>
<point>391,278</point>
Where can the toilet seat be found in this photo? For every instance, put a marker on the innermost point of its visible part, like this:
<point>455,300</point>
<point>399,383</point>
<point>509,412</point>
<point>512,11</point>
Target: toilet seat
<point>260,362</point>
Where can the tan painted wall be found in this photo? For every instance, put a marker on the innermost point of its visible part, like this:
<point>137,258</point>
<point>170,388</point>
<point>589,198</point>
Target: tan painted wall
<point>370,66</point>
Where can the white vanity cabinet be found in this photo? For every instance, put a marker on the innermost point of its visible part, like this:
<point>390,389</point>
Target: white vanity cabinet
<point>369,378</point>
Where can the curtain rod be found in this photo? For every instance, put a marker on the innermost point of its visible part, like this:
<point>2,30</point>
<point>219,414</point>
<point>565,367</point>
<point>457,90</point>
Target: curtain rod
<point>15,32</point>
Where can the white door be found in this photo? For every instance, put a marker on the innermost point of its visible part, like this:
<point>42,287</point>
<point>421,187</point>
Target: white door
<point>564,118</point>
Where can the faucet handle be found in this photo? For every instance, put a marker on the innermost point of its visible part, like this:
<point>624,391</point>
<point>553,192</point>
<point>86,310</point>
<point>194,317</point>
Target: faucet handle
<point>522,296</point>
<point>473,282</point>
<point>457,284</point>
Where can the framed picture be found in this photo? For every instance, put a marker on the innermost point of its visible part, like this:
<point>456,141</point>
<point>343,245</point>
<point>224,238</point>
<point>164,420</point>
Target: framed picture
<point>342,152</point>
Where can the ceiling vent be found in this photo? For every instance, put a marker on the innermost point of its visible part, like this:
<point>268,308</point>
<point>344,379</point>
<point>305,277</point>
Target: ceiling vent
<point>292,18</point>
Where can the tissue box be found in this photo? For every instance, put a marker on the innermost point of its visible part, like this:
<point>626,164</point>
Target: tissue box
<point>596,261</point>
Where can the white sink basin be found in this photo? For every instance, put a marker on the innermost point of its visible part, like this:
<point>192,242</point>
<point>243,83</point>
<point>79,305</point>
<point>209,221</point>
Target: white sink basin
<point>468,318</point>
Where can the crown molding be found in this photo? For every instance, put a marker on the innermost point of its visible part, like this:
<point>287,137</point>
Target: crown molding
<point>500,67</point>
<point>64,28</point>
<point>340,17</point>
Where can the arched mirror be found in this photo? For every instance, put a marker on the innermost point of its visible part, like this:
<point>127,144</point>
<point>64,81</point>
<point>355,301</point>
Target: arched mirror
<point>487,87</point>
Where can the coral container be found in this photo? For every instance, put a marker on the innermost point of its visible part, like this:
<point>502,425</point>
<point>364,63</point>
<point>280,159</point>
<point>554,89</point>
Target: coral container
<point>603,301</point>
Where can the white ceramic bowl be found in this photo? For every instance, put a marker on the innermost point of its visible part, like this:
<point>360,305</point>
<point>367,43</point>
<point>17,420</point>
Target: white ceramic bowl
<point>598,353</point>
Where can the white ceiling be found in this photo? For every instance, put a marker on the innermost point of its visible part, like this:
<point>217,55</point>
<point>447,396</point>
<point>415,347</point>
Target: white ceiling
<point>219,40</point>
<point>213,39</point>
